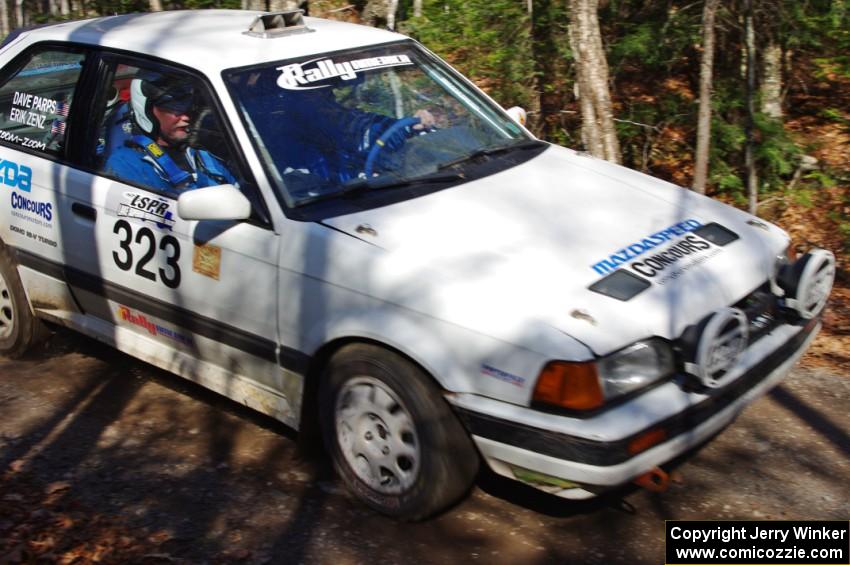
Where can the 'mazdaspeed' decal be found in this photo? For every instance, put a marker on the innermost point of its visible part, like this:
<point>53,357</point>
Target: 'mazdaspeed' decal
<point>634,250</point>
<point>663,256</point>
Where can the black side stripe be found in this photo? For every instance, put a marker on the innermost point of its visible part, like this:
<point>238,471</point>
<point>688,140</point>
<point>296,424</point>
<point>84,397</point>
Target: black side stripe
<point>290,359</point>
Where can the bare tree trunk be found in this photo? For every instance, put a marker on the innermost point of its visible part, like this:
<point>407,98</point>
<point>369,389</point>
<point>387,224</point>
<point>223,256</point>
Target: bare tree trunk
<point>417,8</point>
<point>4,18</point>
<point>545,53</point>
<point>375,12</point>
<point>771,82</point>
<point>590,137</point>
<point>19,13</point>
<point>709,11</point>
<point>65,7</point>
<point>592,71</point>
<point>155,5</point>
<point>392,9</point>
<point>278,5</point>
<point>749,157</point>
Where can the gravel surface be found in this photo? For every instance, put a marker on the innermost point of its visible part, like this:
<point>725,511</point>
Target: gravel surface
<point>201,479</point>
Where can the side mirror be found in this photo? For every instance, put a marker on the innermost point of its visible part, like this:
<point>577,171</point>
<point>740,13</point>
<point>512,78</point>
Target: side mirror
<point>225,202</point>
<point>519,115</point>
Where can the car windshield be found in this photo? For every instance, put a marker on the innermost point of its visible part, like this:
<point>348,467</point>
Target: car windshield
<point>354,121</point>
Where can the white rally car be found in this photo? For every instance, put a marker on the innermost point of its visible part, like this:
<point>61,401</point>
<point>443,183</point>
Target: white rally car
<point>329,224</point>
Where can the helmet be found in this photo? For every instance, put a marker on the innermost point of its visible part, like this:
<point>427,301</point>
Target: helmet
<point>154,89</point>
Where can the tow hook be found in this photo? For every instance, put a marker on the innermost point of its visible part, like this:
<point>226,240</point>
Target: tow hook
<point>654,480</point>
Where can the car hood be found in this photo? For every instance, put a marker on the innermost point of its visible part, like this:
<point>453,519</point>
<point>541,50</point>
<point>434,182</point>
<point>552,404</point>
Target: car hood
<point>524,245</point>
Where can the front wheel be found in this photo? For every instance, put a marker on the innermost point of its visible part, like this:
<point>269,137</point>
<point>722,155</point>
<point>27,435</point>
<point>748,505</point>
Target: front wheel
<point>392,437</point>
<point>19,328</point>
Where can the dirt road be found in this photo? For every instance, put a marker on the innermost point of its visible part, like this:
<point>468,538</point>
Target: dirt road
<point>203,480</point>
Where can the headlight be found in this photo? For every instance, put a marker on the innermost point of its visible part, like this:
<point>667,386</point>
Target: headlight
<point>585,386</point>
<point>635,367</point>
<point>780,264</point>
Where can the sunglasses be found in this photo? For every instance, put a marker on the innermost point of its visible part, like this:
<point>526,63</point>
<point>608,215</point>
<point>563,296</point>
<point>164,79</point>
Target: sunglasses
<point>180,105</point>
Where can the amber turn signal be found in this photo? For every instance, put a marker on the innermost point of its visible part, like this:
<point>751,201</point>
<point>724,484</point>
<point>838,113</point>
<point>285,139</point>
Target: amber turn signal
<point>569,385</point>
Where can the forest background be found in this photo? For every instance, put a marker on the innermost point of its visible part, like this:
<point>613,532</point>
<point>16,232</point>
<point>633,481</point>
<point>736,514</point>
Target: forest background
<point>745,100</point>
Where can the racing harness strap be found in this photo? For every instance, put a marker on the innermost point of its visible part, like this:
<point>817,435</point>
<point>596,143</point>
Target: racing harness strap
<point>174,174</point>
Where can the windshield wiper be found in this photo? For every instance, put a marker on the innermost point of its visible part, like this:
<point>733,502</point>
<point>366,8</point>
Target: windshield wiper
<point>355,187</point>
<point>487,151</point>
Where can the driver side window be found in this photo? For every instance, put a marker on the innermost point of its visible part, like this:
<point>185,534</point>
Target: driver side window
<point>159,130</point>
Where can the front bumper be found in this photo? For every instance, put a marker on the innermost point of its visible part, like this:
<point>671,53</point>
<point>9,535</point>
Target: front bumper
<point>588,455</point>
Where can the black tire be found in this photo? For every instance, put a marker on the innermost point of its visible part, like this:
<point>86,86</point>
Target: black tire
<point>19,328</point>
<point>431,462</point>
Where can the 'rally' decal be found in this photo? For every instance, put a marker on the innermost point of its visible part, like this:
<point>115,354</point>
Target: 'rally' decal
<point>300,77</point>
<point>153,328</point>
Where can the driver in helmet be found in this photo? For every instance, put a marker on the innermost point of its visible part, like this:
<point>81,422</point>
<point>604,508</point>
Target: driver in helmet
<point>158,154</point>
<point>316,136</point>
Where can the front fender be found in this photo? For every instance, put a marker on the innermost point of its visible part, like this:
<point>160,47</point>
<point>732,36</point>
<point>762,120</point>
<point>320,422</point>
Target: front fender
<point>460,360</point>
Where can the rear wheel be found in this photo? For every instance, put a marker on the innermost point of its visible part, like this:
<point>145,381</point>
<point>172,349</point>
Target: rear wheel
<point>392,437</point>
<point>19,329</point>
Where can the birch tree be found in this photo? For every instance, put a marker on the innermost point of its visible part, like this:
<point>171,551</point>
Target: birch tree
<point>771,79</point>
<point>20,21</point>
<point>750,64</point>
<point>705,85</point>
<point>4,18</point>
<point>598,133</point>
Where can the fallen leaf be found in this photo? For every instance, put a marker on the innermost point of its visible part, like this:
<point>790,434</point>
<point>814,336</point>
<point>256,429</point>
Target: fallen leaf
<point>57,486</point>
<point>156,556</point>
<point>64,522</point>
<point>159,537</point>
<point>16,465</point>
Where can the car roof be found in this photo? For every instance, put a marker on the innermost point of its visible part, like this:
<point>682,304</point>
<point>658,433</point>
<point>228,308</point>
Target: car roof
<point>210,40</point>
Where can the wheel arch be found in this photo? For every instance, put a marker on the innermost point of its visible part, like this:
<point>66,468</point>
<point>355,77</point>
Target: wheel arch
<point>309,431</point>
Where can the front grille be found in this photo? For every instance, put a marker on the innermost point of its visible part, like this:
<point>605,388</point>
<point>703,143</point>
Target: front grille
<point>763,313</point>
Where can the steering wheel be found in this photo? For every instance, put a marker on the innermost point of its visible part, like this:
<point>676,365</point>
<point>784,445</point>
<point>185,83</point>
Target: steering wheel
<point>382,141</point>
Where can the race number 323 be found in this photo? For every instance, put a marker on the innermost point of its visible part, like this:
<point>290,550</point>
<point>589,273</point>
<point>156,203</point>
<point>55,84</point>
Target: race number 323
<point>146,240</point>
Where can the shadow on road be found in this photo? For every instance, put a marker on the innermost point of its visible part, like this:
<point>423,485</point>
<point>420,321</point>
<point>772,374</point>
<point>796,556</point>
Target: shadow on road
<point>814,418</point>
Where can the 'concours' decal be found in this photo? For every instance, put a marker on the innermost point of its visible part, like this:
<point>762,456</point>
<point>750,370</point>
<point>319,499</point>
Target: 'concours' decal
<point>632,251</point>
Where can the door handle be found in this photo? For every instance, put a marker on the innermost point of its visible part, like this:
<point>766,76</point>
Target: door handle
<point>84,211</point>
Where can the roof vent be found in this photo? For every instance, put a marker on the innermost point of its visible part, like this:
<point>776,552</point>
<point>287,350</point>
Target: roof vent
<point>278,24</point>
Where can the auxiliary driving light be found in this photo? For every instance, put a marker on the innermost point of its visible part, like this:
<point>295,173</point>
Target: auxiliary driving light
<point>808,282</point>
<point>723,338</point>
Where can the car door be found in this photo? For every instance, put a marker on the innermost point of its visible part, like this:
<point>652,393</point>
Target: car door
<point>37,97</point>
<point>201,293</point>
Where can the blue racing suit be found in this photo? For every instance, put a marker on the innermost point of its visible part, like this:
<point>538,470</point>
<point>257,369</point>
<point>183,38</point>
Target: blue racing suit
<point>143,161</point>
